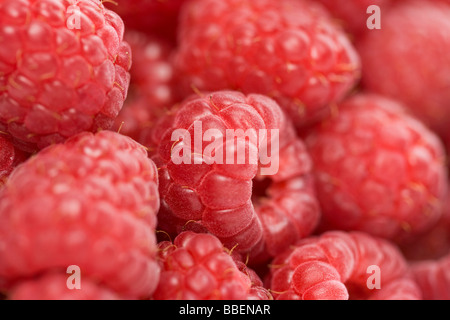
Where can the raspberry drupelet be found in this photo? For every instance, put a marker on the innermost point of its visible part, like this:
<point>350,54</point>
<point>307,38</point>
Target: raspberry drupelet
<point>63,69</point>
<point>90,202</point>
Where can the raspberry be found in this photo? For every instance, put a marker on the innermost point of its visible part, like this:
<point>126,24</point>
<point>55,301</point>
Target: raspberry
<point>333,266</point>
<point>433,278</point>
<point>197,267</point>
<point>151,87</point>
<point>154,17</point>
<point>393,67</point>
<point>10,157</point>
<point>352,14</point>
<point>56,81</point>
<point>90,202</point>
<point>288,50</point>
<point>53,287</point>
<point>235,202</point>
<point>378,170</point>
<point>447,143</point>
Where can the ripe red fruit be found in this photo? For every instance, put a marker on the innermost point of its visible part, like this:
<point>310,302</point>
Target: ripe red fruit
<point>394,67</point>
<point>334,266</point>
<point>289,50</point>
<point>236,202</point>
<point>197,267</point>
<point>90,202</point>
<point>378,170</point>
<point>154,17</point>
<point>63,69</point>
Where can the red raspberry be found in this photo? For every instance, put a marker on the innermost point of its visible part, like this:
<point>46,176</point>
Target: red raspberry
<point>151,88</point>
<point>10,157</point>
<point>55,81</point>
<point>394,67</point>
<point>90,202</point>
<point>156,17</point>
<point>433,278</point>
<point>334,266</point>
<point>352,14</point>
<point>285,202</point>
<point>378,170</point>
<point>197,267</point>
<point>53,287</point>
<point>432,244</point>
<point>235,202</point>
<point>288,50</point>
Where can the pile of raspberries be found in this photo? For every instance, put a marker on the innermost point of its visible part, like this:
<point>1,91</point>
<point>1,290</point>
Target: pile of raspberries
<point>343,106</point>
